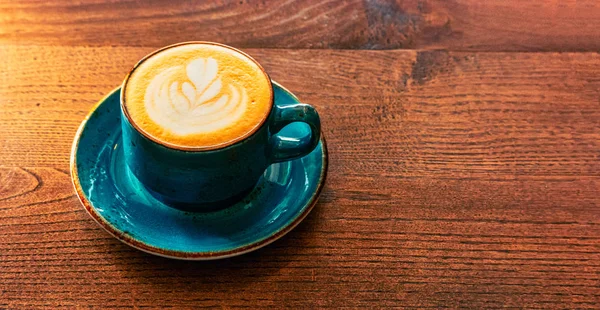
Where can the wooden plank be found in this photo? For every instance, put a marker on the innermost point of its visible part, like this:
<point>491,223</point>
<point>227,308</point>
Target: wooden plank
<point>407,113</point>
<point>427,243</point>
<point>314,24</point>
<point>456,179</point>
<point>458,25</point>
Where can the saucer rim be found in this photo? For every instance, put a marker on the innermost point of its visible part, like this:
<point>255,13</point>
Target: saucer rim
<point>182,255</point>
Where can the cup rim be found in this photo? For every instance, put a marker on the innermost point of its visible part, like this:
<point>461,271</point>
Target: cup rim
<point>194,148</point>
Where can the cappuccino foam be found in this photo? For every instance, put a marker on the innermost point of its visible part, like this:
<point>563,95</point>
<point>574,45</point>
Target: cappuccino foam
<point>198,96</point>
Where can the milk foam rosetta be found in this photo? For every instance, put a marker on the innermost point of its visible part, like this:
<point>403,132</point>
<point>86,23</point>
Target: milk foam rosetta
<point>198,96</point>
<point>201,105</point>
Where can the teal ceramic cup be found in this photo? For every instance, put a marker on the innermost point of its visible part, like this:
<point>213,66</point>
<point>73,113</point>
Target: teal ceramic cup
<point>206,180</point>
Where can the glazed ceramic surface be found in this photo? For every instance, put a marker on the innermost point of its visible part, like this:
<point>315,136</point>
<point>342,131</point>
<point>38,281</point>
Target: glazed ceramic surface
<point>115,198</point>
<point>201,180</point>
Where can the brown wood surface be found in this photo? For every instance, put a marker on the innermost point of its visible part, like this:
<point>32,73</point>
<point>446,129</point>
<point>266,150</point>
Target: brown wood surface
<point>458,178</point>
<point>459,25</point>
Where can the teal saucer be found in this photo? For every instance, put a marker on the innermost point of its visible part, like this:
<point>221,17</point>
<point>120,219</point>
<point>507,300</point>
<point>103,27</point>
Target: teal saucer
<point>282,198</point>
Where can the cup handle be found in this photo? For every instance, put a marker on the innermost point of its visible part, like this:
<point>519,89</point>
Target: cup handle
<point>285,148</point>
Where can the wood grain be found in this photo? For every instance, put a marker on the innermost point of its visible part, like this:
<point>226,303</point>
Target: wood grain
<point>456,179</point>
<point>488,246</point>
<point>458,25</point>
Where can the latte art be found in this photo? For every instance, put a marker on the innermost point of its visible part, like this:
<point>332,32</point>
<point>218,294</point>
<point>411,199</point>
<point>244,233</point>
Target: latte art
<point>201,104</point>
<point>197,96</point>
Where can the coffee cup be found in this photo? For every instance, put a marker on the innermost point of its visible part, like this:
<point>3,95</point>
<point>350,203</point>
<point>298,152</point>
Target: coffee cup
<point>200,125</point>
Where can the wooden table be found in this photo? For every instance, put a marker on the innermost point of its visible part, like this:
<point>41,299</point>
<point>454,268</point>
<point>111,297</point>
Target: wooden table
<point>464,142</point>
